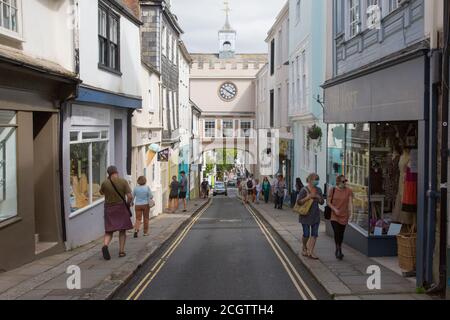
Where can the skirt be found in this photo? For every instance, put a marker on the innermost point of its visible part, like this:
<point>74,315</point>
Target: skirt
<point>117,218</point>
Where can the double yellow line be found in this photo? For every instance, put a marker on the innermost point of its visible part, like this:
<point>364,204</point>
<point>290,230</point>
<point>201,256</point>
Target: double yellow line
<point>304,291</point>
<point>145,282</point>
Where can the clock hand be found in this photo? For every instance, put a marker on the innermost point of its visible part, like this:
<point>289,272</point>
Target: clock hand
<point>230,92</point>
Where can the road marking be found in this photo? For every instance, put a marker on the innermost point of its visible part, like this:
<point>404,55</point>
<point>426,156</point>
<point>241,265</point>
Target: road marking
<point>145,282</point>
<point>291,270</point>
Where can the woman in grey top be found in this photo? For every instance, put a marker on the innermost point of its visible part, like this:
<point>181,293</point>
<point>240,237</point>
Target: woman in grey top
<point>311,222</point>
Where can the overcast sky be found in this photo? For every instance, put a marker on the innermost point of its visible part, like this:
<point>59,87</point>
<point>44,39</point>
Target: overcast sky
<point>202,19</point>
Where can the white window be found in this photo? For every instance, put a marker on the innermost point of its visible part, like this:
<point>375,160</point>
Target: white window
<point>8,165</point>
<point>280,48</point>
<point>164,41</point>
<point>10,17</point>
<point>210,129</point>
<point>246,129</point>
<point>88,164</point>
<point>169,53</point>
<point>228,128</point>
<point>298,93</point>
<point>165,106</point>
<point>355,19</point>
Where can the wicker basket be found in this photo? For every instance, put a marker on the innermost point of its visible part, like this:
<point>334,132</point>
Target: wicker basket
<point>406,244</point>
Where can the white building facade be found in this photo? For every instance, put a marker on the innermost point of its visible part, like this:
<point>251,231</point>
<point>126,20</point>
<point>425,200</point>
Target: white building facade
<point>306,75</point>
<point>97,126</point>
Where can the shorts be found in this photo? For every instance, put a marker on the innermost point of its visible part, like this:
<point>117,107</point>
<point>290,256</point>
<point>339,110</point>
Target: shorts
<point>311,230</point>
<point>173,196</point>
<point>182,195</point>
<point>249,192</point>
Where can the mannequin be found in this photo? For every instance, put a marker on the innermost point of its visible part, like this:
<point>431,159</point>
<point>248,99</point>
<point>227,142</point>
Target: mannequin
<point>398,214</point>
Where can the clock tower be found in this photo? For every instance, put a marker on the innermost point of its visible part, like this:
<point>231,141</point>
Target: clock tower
<point>227,37</point>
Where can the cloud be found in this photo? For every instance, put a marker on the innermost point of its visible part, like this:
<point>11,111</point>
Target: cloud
<point>202,19</point>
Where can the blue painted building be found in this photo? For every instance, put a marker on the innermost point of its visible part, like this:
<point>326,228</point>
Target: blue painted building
<point>381,109</point>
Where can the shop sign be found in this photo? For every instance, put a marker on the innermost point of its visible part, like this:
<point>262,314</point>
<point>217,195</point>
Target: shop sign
<point>163,156</point>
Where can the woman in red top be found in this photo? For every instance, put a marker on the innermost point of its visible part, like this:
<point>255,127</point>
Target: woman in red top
<point>340,201</point>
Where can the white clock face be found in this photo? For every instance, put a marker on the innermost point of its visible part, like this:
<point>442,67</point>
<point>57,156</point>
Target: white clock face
<point>228,91</point>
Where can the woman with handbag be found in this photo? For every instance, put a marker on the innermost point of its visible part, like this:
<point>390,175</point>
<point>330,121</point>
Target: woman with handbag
<point>310,197</point>
<point>143,200</point>
<point>340,201</point>
<point>118,198</point>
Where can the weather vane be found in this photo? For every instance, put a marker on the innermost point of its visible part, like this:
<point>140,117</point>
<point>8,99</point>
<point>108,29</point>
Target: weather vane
<point>227,7</point>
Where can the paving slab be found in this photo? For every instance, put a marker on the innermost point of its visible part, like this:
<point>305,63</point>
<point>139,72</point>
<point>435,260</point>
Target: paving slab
<point>343,280</point>
<point>45,279</point>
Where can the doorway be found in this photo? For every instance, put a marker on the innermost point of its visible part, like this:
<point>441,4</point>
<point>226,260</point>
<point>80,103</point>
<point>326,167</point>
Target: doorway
<point>46,185</point>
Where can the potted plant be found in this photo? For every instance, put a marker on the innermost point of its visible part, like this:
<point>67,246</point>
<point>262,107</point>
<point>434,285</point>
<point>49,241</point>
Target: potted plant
<point>315,134</point>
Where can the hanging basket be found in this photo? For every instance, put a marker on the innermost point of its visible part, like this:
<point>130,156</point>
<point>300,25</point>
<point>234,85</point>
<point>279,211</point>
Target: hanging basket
<point>315,134</point>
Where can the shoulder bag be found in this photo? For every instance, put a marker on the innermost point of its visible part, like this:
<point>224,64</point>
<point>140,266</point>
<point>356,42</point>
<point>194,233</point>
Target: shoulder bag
<point>328,210</point>
<point>123,199</point>
<point>303,210</point>
<point>151,202</point>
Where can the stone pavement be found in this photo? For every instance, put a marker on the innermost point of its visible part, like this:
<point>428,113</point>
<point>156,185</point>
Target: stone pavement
<point>343,280</point>
<point>45,279</point>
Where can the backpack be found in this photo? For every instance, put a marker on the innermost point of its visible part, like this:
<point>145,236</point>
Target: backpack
<point>250,184</point>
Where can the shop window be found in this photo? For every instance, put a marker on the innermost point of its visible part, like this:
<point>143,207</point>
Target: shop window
<point>8,165</point>
<point>393,176</point>
<point>88,165</point>
<point>357,171</point>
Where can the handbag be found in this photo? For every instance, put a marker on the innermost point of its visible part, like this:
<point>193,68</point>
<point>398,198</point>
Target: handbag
<point>151,203</point>
<point>328,210</point>
<point>303,210</point>
<point>123,199</point>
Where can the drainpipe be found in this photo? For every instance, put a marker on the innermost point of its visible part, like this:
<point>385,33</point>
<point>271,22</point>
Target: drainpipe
<point>444,151</point>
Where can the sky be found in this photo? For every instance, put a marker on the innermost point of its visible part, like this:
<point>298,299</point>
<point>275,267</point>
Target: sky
<point>202,19</point>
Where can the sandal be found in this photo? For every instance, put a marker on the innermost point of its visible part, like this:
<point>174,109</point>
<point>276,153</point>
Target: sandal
<point>122,254</point>
<point>305,253</point>
<point>313,257</point>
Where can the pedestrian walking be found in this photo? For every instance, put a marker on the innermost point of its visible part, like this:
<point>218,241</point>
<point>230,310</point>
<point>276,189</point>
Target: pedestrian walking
<point>205,189</point>
<point>183,190</point>
<point>311,221</point>
<point>340,200</point>
<point>117,212</point>
<point>266,187</point>
<point>258,190</point>
<point>143,201</point>
<point>173,196</point>
<point>279,191</point>
<point>248,190</point>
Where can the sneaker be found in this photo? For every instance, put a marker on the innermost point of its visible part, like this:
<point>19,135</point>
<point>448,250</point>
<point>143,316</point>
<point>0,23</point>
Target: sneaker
<point>105,253</point>
<point>135,234</point>
<point>145,234</point>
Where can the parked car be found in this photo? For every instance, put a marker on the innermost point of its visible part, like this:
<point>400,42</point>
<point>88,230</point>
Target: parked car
<point>220,188</point>
<point>232,184</point>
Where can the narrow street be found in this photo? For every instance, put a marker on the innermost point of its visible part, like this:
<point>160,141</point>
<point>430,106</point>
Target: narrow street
<point>224,255</point>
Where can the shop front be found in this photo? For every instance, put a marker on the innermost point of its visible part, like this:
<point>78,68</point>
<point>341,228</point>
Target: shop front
<point>95,136</point>
<point>377,131</point>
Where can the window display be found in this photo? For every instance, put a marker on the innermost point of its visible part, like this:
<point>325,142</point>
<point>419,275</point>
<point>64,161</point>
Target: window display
<point>88,164</point>
<point>8,165</point>
<point>380,163</point>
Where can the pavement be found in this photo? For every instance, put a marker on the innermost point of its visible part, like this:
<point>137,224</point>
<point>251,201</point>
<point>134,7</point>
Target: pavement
<point>46,279</point>
<point>224,256</point>
<point>343,280</point>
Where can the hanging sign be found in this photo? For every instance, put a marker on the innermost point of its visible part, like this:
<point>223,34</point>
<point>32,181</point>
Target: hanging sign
<point>163,156</point>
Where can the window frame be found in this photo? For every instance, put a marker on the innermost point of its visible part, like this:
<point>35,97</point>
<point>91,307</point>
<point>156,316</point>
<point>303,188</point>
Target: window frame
<point>356,11</point>
<point>110,15</point>
<point>242,132</point>
<point>205,129</point>
<point>80,130</point>
<point>14,126</point>
<point>232,128</point>
<point>9,33</point>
